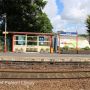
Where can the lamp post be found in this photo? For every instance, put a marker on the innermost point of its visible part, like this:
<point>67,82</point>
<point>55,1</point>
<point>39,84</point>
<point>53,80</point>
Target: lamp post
<point>77,42</point>
<point>5,37</point>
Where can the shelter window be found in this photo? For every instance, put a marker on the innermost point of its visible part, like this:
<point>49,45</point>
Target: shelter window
<point>44,41</point>
<point>31,43</point>
<point>32,40</point>
<point>20,40</point>
<point>20,37</point>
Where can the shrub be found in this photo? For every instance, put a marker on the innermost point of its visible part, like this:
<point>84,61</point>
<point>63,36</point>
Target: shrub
<point>42,50</point>
<point>66,48</point>
<point>86,48</point>
<point>47,50</point>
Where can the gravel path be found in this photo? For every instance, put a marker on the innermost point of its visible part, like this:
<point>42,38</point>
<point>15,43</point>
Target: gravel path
<point>64,84</point>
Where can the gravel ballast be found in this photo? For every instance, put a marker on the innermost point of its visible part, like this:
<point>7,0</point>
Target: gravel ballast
<point>62,84</point>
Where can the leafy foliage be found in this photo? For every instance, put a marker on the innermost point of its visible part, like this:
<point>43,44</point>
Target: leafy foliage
<point>66,48</point>
<point>88,26</point>
<point>86,48</point>
<point>25,15</point>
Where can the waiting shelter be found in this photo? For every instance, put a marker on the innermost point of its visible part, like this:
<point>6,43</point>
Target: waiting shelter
<point>31,42</point>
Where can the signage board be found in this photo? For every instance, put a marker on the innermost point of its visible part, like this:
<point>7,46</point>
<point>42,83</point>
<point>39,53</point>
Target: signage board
<point>69,33</point>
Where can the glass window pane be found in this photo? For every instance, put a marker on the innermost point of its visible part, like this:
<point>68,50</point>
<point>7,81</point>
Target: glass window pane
<point>42,38</point>
<point>20,42</point>
<point>44,43</point>
<point>46,38</point>
<point>20,37</point>
<point>34,38</point>
<point>31,43</point>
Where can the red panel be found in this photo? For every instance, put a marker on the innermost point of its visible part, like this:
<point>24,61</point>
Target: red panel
<point>50,43</point>
<point>28,33</point>
<point>12,43</point>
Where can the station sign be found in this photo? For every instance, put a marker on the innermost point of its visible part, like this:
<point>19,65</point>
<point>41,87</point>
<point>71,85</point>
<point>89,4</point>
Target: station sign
<point>68,33</point>
<point>41,38</point>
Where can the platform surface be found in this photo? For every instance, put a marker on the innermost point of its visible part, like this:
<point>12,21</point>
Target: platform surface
<point>43,57</point>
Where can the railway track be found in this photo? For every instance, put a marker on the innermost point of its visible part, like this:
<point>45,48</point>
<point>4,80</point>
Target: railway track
<point>23,70</point>
<point>44,75</point>
<point>44,66</point>
<point>28,64</point>
<point>68,63</point>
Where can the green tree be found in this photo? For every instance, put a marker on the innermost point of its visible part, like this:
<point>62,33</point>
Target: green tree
<point>25,15</point>
<point>88,27</point>
<point>43,23</point>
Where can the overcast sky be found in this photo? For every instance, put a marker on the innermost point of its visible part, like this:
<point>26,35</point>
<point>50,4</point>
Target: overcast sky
<point>68,15</point>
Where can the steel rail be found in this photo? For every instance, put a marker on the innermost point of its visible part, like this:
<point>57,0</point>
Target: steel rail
<point>18,71</point>
<point>43,78</point>
<point>45,75</point>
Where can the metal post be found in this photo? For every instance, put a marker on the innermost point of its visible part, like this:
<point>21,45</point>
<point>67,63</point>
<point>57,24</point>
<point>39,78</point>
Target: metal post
<point>59,43</point>
<point>50,44</point>
<point>77,42</point>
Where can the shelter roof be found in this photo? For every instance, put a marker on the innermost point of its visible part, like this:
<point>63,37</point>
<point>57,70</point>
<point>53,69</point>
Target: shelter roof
<point>30,33</point>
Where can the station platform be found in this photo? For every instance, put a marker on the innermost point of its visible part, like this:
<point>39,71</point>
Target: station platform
<point>44,57</point>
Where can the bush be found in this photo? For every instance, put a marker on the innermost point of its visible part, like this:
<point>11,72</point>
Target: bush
<point>42,50</point>
<point>66,48</point>
<point>86,48</point>
<point>47,50</point>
